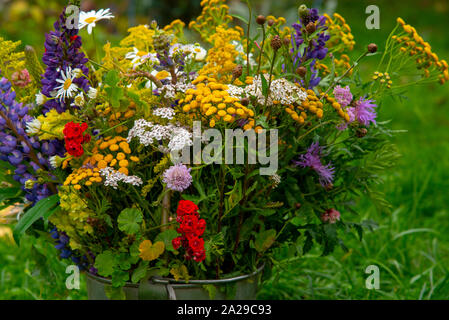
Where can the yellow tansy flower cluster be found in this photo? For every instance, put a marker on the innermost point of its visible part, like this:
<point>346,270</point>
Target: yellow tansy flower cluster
<point>220,58</point>
<point>214,13</point>
<point>310,104</point>
<point>212,101</point>
<point>116,118</point>
<point>83,177</point>
<point>113,152</point>
<point>11,60</point>
<point>341,37</point>
<point>341,113</point>
<point>383,78</point>
<point>176,27</point>
<point>412,44</point>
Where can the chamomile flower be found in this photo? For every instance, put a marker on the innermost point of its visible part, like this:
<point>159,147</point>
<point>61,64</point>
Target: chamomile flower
<point>90,18</point>
<point>40,98</point>
<point>67,89</point>
<point>138,57</point>
<point>195,52</point>
<point>79,100</point>
<point>33,126</point>
<point>92,93</point>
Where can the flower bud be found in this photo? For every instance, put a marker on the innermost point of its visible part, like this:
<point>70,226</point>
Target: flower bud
<point>271,22</point>
<point>311,28</point>
<point>29,184</point>
<point>361,132</point>
<point>261,19</point>
<point>244,101</point>
<point>303,11</point>
<point>297,205</point>
<point>286,41</point>
<point>372,48</point>
<point>276,43</point>
<point>301,71</point>
<point>237,72</point>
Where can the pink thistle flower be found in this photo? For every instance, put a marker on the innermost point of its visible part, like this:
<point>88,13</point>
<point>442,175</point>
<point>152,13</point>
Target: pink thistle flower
<point>177,177</point>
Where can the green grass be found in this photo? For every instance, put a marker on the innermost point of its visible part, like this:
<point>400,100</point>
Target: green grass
<point>411,246</point>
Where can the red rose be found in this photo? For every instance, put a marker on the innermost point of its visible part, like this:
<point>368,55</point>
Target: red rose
<point>196,244</point>
<point>189,224</point>
<point>176,242</point>
<point>187,207</point>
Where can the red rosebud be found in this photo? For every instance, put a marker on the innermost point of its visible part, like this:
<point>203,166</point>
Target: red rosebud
<point>200,227</point>
<point>176,242</point>
<point>199,256</point>
<point>86,138</point>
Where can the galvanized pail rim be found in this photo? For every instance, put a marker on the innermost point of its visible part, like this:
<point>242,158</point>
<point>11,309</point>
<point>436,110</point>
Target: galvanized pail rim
<point>163,280</point>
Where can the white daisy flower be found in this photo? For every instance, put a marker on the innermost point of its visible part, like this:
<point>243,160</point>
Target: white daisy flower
<point>33,126</point>
<point>90,18</point>
<point>138,57</point>
<point>79,100</point>
<point>92,93</point>
<point>67,89</point>
<point>40,98</point>
<point>195,52</point>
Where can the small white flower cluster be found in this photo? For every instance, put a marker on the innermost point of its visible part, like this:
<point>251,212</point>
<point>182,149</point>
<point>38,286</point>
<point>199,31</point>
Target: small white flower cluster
<point>235,91</point>
<point>112,178</point>
<point>192,51</point>
<point>165,113</point>
<point>148,133</point>
<point>275,179</point>
<point>281,90</point>
<point>170,90</point>
<point>242,54</point>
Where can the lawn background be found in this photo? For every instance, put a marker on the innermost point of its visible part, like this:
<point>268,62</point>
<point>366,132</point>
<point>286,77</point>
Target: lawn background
<point>411,246</point>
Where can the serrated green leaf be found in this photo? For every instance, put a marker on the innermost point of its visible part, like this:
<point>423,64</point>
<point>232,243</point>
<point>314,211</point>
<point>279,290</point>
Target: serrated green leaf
<point>105,263</point>
<point>166,237</point>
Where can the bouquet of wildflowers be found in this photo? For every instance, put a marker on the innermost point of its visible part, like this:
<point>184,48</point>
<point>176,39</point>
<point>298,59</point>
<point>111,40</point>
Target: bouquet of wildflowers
<point>178,159</point>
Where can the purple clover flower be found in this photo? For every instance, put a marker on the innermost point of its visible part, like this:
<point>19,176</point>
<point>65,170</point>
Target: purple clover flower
<point>312,159</point>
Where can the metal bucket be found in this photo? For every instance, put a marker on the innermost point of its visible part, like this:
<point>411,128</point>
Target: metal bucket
<point>243,287</point>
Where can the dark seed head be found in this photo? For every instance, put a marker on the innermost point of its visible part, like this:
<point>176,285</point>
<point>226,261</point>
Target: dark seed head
<point>361,132</point>
<point>261,19</point>
<point>297,205</point>
<point>286,41</point>
<point>276,43</point>
<point>271,22</point>
<point>372,48</point>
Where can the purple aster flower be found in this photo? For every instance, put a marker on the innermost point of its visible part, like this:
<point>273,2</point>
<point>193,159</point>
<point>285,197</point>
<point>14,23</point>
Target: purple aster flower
<point>312,159</point>
<point>343,95</point>
<point>177,177</point>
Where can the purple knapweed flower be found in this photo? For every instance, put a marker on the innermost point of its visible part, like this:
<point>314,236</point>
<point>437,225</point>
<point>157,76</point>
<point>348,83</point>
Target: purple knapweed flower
<point>312,159</point>
<point>177,177</point>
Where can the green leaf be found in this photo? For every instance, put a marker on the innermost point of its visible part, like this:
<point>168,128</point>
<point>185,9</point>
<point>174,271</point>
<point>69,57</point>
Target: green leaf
<point>140,272</point>
<point>129,220</point>
<point>43,209</point>
<point>112,78</point>
<point>115,94</point>
<point>119,278</point>
<point>245,21</point>
<point>105,263</point>
<point>264,86</point>
<point>264,240</point>
<point>166,237</point>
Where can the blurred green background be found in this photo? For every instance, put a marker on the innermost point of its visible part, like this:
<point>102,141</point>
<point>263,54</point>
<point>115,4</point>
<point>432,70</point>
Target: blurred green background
<point>411,245</point>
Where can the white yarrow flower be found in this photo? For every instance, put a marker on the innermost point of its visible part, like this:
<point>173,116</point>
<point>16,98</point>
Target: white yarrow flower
<point>90,18</point>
